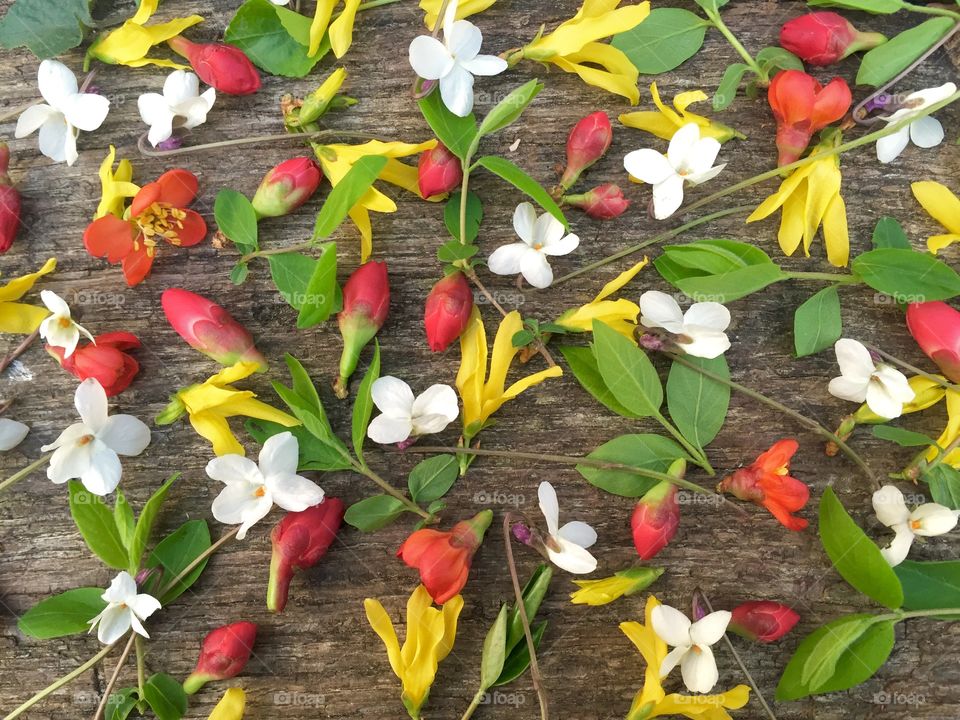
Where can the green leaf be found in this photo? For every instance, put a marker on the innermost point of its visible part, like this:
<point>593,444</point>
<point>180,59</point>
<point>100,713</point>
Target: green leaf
<point>303,387</point>
<point>533,593</point>
<point>374,512</point>
<point>320,294</point>
<point>124,520</point>
<point>267,35</point>
<point>292,273</point>
<point>237,219</point>
<point>315,454</point>
<point>665,40</point>
<point>627,371</point>
<point>727,89</point>
<point>903,438</point>
<point>817,324</point>
<point>698,404</point>
<point>929,585</point>
<point>347,193</point>
<point>711,6</point>
<point>717,270</point>
<point>165,696</point>
<point>889,234</point>
<point>432,478</point>
<point>239,273</point>
<point>883,62</point>
<point>518,660</point>
<point>877,7</point>
<point>944,482</point>
<point>457,133</point>
<point>46,28</point>
<point>494,651</point>
<point>644,451</point>
<point>509,108</point>
<point>907,276</point>
<point>583,363</point>
<point>506,170</point>
<point>97,526</point>
<point>855,556</point>
<point>68,613</point>
<point>453,251</point>
<point>731,286</point>
<point>175,552</point>
<point>148,516</point>
<point>363,405</point>
<point>121,704</point>
<point>451,218</point>
<point>776,58</point>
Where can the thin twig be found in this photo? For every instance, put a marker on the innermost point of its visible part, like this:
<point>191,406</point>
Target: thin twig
<point>113,678</point>
<point>912,368</point>
<point>19,350</point>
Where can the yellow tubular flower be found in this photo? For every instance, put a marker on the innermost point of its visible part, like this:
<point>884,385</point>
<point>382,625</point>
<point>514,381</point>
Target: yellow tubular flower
<point>950,432</point>
<point>130,43</point>
<point>340,30</point>
<point>211,402</point>
<point>115,186</point>
<point>665,121</point>
<point>652,701</point>
<point>465,9</point>
<point>944,207</point>
<point>926,393</point>
<point>620,314</point>
<point>573,46</point>
<point>430,636</point>
<point>625,582</point>
<point>20,318</point>
<point>231,706</point>
<point>809,197</point>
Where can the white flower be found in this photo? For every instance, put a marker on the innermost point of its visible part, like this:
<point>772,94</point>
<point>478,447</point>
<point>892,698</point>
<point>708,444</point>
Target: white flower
<point>691,645</point>
<point>927,520</point>
<point>404,416</point>
<point>12,433</point>
<point>542,236</point>
<point>59,329</point>
<point>65,113</point>
<point>181,99</point>
<point>454,61</point>
<point>925,132</point>
<point>251,490</point>
<point>700,331</point>
<point>884,388</point>
<point>125,609</point>
<point>567,545</point>
<point>689,158</point>
<point>88,449</point>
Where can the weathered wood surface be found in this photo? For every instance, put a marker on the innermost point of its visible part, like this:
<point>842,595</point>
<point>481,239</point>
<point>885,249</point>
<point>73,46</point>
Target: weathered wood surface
<point>320,659</point>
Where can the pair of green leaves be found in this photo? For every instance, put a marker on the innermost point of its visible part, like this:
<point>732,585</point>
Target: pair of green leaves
<point>161,692</point>
<point>46,28</point>
<point>275,38</point>
<point>770,60</point>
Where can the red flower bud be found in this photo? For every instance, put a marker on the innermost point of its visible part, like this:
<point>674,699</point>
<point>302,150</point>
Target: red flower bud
<point>444,558</point>
<point>439,171</point>
<point>286,187</point>
<point>588,142</point>
<point>762,620</point>
<point>106,360</point>
<point>9,203</point>
<point>936,328</point>
<point>223,654</point>
<point>300,540</point>
<point>802,107</point>
<point>823,38</point>
<point>655,519</point>
<point>209,328</point>
<point>447,311</point>
<point>366,300</point>
<point>224,67</point>
<point>767,481</point>
<point>604,202</point>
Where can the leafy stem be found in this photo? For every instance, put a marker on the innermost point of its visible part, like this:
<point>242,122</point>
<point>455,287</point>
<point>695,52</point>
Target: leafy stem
<point>836,278</point>
<point>699,457</point>
<point>720,25</point>
<point>277,251</point>
<point>930,10</point>
<point>364,470</point>
<point>141,664</point>
<point>18,476</point>
<point>901,615</point>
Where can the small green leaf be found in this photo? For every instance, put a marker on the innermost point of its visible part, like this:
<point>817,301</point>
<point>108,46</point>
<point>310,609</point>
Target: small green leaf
<point>903,438</point>
<point>451,218</point>
<point>522,338</point>
<point>320,294</point>
<point>817,324</point>
<point>292,273</point>
<point>506,170</point>
<point>374,512</point>
<point>644,451</point>
<point>698,404</point>
<point>97,526</point>
<point>583,363</point>
<point>518,660</point>
<point>239,273</point>
<point>929,585</point>
<point>944,482</point>
<point>727,89</point>
<point>315,454</point>
<point>888,233</point>
<point>711,6</point>
<point>165,696</point>
<point>627,371</point>
<point>509,108</point>
<point>175,552</point>
<point>457,133</point>
<point>666,39</point>
<point>453,251</point>
<point>776,58</point>
<point>236,219</point>
<point>148,516</point>
<point>124,520</point>
<point>68,613</point>
<point>494,651</point>
<point>363,405</point>
<point>270,36</point>
<point>877,7</point>
<point>432,478</point>
<point>731,286</point>
<point>121,704</point>
<point>347,193</point>
<point>883,62</point>
<point>533,593</point>
<point>907,276</point>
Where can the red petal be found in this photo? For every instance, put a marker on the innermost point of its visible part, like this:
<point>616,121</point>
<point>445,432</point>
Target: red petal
<point>110,237</point>
<point>785,490</point>
<point>778,456</point>
<point>419,542</point>
<point>136,265</point>
<point>119,340</point>
<point>194,229</point>
<point>831,104</point>
<point>175,188</point>
<point>783,515</point>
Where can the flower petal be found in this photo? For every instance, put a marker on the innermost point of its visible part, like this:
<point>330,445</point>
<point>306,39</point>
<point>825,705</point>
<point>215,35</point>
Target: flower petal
<point>926,132</point>
<point>683,145</point>
<point>485,65</point>
<point>890,146</point>
<point>508,259</point>
<point>648,166</point>
<point>125,435</point>
<point>387,429</point>
<point>710,315</point>
<point>572,557</point>
<point>896,552</point>
<point>102,475</point>
<point>699,669</point>
<point>932,519</point>
<point>536,269</point>
<point>524,222</point>
<point>667,197</point>
<point>659,310</point>
<point>56,82</point>
<point>90,400</point>
<point>429,58</point>
<point>671,625</point>
<point>12,433</point>
<point>456,89</point>
<point>35,117</point>
<point>549,506</point>
<point>112,624</point>
<point>393,396</point>
<point>294,492</point>
<point>280,455</point>
<point>463,39</point>
<point>710,628</point>
<point>578,532</point>
<point>564,246</point>
<point>854,359</point>
<point>56,141</point>
<point>86,111</point>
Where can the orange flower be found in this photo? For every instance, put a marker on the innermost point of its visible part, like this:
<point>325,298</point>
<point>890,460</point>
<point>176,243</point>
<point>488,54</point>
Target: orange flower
<point>768,482</point>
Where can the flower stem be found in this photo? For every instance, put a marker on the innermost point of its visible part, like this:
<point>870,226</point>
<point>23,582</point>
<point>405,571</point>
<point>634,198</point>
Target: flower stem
<point>930,10</point>
<point>477,699</point>
<point>838,278</point>
<point>699,457</point>
<point>312,136</point>
<point>141,663</point>
<point>370,4</point>
<point>390,489</point>
<point>720,25</point>
<point>113,678</point>
<point>18,476</point>
<point>276,251</point>
<point>19,350</point>
<point>900,616</point>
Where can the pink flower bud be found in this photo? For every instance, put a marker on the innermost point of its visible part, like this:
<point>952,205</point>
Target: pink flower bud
<point>655,519</point>
<point>223,655</point>
<point>286,187</point>
<point>439,171</point>
<point>604,202</point>
<point>762,620</point>
<point>224,67</point>
<point>588,142</point>
<point>209,328</point>
<point>366,300</point>
<point>9,203</point>
<point>936,328</point>
<point>447,311</point>
<point>823,38</point>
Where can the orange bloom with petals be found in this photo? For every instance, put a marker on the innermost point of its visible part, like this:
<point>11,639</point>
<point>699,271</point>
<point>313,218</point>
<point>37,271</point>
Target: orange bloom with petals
<point>158,212</point>
<point>768,482</point>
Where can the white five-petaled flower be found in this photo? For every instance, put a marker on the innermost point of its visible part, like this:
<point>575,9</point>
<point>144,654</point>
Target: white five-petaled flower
<point>60,329</point>
<point>12,433</point>
<point>65,112</point>
<point>181,99</point>
<point>125,609</point>
<point>454,61</point>
<point>699,331</point>
<point>88,449</point>
<point>689,159</point>
<point>404,416</point>
<point>566,546</point>
<point>926,520</point>
<point>541,237</point>
<point>884,388</point>
<point>691,645</point>
<point>251,489</point>
<point>925,132</point>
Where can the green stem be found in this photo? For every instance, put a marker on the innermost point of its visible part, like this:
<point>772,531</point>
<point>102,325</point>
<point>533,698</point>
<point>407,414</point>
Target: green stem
<point>900,616</point>
<point>276,251</point>
<point>837,278</point>
<point>930,10</point>
<point>699,457</point>
<point>464,185</point>
<point>18,476</point>
<point>738,46</point>
<point>477,699</point>
<point>113,678</point>
<point>313,136</point>
<point>938,379</point>
<point>141,665</point>
<point>390,489</point>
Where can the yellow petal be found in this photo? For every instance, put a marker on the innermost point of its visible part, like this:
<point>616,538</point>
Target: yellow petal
<point>361,218</point>
<point>237,371</point>
<point>787,188</point>
<point>704,707</point>
<point>503,354</point>
<point>318,27</point>
<point>380,622</point>
<point>586,28</point>
<point>215,429</point>
<point>835,234</point>
<point>528,382</point>
<point>131,42</point>
<point>18,287</point>
<point>465,9</point>
<point>681,101</point>
<point>341,29</point>
<point>936,243</point>
<point>245,405</point>
<point>145,11</point>
<point>451,614</point>
<point>156,62</point>
<point>617,81</point>
<point>792,221</point>
<point>952,430</point>
<point>20,318</point>
<point>939,202</point>
<point>619,314</point>
<point>231,705</point>
<point>620,280</point>
<point>822,186</point>
<point>115,187</point>
<point>401,175</point>
<point>473,365</point>
<point>649,121</point>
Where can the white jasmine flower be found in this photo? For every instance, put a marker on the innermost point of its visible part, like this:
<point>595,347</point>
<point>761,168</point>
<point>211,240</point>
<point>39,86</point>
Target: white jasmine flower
<point>59,329</point>
<point>404,416</point>
<point>927,520</point>
<point>65,112</point>
<point>925,132</point>
<point>541,237</point>
<point>181,99</point>
<point>689,159</point>
<point>884,388</point>
<point>691,645</point>
<point>567,545</point>
<point>699,331</point>
<point>126,608</point>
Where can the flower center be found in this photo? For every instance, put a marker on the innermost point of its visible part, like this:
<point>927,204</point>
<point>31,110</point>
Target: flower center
<point>160,221</point>
<point>538,246</point>
<point>260,492</point>
<point>916,524</point>
<point>64,322</point>
<point>85,440</point>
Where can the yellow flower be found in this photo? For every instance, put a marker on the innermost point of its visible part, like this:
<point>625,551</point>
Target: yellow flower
<point>465,9</point>
<point>944,207</point>
<point>231,706</point>
<point>574,47</point>
<point>211,402</point>
<point>336,161</point>
<point>625,582</point>
<point>665,122</point>
<point>20,318</point>
<point>340,30</point>
<point>482,396</point>
<point>652,701</point>
<point>316,104</point>
<point>130,43</point>
<point>115,186</point>
<point>809,197</point>
<point>620,314</point>
<point>430,636</point>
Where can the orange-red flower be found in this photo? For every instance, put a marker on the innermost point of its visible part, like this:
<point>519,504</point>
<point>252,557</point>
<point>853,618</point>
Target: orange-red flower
<point>158,211</point>
<point>106,359</point>
<point>768,482</point>
<point>802,107</point>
